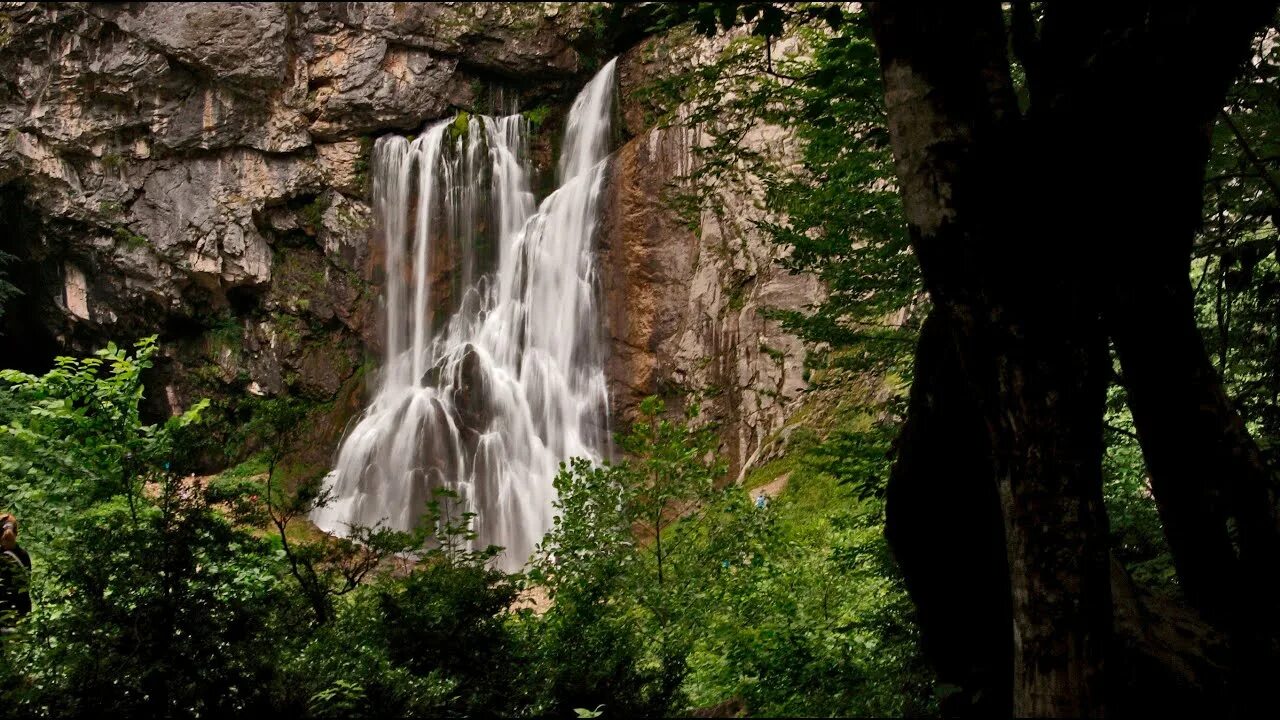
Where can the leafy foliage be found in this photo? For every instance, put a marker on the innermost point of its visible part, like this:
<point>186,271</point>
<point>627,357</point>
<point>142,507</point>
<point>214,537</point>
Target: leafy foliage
<point>836,216</point>
<point>77,437</point>
<point>1236,274</point>
<point>1137,534</point>
<point>538,115</point>
<point>766,19</point>
<point>158,595</point>
<point>623,600</point>
<point>669,593</point>
<point>158,610</point>
<point>149,601</point>
<point>434,641</point>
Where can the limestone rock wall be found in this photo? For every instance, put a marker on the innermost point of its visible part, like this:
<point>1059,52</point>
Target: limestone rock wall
<point>684,299</point>
<point>200,170</point>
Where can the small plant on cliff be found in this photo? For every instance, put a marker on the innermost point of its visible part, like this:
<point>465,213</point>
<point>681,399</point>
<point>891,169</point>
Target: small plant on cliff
<point>537,116</point>
<point>312,214</point>
<point>129,239</point>
<point>226,331</point>
<point>363,162</point>
<point>461,122</point>
<point>112,161</point>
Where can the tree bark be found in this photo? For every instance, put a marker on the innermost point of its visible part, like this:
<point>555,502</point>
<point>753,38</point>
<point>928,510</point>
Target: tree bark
<point>1215,494</point>
<point>943,523</point>
<point>1205,468</point>
<point>1126,116</point>
<point>1027,226</point>
<point>1025,333</point>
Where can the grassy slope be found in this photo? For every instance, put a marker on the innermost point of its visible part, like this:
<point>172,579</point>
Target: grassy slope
<point>822,626</point>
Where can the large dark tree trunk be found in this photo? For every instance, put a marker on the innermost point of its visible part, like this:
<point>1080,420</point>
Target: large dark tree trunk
<point>1025,336</point>
<point>1013,218</point>
<point>1208,478</point>
<point>1205,468</point>
<point>1048,467</point>
<point>1136,99</point>
<point>944,524</point>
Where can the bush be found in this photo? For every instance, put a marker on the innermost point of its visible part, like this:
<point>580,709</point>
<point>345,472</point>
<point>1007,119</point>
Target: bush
<point>165,609</point>
<point>162,596</point>
<point>435,641</point>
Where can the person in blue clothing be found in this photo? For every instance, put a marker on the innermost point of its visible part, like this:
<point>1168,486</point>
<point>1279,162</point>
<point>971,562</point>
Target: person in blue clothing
<point>762,501</point>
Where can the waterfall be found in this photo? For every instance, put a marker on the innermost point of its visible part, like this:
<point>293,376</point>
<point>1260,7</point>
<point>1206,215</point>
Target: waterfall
<point>493,372</point>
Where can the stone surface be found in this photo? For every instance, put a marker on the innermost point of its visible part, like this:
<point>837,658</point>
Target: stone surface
<point>76,295</point>
<point>167,133</point>
<point>186,155</point>
<point>200,170</point>
<point>229,41</point>
<point>683,304</point>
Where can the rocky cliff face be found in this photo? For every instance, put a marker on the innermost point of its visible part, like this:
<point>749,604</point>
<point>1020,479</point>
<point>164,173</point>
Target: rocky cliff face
<point>200,170</point>
<point>685,291</point>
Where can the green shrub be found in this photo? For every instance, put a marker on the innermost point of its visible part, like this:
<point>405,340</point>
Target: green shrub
<point>537,116</point>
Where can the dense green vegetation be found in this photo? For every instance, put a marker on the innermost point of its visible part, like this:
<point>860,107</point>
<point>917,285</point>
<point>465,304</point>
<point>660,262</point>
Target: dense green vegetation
<point>160,595</point>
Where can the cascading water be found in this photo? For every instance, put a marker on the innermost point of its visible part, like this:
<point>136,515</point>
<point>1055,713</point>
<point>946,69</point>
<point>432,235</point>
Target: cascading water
<point>487,400</point>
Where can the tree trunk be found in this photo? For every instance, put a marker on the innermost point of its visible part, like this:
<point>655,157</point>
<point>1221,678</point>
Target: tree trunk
<point>1025,336</point>
<point>1204,466</point>
<point>1131,114</point>
<point>1048,469</point>
<point>1026,226</point>
<point>1216,496</point>
<point>943,523</point>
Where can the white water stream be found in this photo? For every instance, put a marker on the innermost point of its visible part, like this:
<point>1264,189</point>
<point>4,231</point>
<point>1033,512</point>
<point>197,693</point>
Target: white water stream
<point>493,373</point>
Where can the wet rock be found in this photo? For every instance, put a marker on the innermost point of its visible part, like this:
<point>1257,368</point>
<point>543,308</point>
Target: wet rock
<point>324,366</point>
<point>470,393</point>
<point>204,168</point>
<point>683,296</point>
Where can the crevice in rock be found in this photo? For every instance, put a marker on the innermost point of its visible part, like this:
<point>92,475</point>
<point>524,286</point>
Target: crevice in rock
<point>29,343</point>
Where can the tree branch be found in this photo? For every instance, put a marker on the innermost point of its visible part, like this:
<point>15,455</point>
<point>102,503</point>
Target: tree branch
<point>1122,431</point>
<point>1250,154</point>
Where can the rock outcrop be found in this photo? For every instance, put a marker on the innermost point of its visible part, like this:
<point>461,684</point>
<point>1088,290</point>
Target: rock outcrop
<point>684,295</point>
<point>200,170</point>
